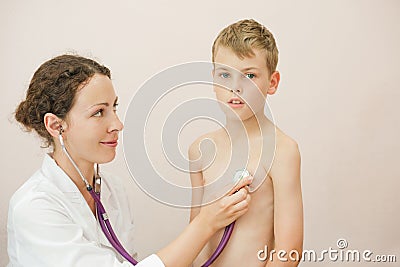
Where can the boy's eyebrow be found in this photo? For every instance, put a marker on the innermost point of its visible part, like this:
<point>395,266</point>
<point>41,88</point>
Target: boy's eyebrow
<point>243,70</point>
<point>104,103</point>
<point>249,68</point>
<point>222,68</point>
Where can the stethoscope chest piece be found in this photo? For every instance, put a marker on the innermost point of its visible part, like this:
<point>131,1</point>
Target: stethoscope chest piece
<point>240,174</point>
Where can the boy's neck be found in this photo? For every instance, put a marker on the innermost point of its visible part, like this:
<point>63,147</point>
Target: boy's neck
<point>252,126</point>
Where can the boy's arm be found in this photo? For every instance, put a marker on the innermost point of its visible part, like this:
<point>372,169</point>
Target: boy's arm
<point>197,181</point>
<point>288,205</point>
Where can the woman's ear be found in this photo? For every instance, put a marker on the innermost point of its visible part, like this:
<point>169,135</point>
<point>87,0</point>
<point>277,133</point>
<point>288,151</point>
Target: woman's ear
<point>274,82</point>
<point>52,124</point>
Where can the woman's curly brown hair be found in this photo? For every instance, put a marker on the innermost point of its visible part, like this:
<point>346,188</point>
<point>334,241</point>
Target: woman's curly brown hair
<point>52,90</point>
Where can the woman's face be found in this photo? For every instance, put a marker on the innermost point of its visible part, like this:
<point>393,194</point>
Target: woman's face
<point>91,134</point>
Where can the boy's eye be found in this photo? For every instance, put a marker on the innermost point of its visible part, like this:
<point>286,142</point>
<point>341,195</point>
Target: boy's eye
<point>224,75</point>
<point>250,75</point>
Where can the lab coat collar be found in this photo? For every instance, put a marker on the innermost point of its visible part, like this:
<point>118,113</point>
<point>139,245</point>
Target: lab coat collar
<point>71,192</point>
<point>57,176</point>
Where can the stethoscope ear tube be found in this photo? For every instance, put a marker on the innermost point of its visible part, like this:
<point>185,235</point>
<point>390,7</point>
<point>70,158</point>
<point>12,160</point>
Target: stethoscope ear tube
<point>101,212</point>
<point>109,232</point>
<point>88,186</point>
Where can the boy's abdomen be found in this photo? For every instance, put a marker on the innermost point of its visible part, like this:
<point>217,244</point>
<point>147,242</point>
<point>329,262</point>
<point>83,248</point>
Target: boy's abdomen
<point>252,232</point>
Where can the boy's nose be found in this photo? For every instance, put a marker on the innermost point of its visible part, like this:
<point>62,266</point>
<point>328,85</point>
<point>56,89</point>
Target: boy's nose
<point>237,85</point>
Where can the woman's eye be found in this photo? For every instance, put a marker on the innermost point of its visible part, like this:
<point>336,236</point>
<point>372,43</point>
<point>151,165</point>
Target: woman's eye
<point>115,106</point>
<point>250,75</point>
<point>224,75</point>
<point>99,113</point>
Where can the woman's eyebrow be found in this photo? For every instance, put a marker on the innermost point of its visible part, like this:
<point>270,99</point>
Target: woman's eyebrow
<point>103,103</point>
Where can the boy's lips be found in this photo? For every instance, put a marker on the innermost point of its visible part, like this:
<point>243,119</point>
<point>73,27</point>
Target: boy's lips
<point>235,102</point>
<point>112,143</point>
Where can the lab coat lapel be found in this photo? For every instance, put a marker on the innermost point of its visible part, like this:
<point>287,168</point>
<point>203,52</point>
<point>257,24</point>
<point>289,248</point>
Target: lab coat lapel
<point>82,213</point>
<point>112,212</point>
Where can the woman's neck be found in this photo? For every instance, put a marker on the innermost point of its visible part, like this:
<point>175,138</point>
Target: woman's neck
<point>86,168</point>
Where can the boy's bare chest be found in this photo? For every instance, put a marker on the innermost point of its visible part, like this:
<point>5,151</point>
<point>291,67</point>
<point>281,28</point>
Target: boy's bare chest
<point>225,158</point>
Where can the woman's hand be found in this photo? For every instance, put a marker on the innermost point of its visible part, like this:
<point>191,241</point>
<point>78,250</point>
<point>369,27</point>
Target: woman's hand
<point>183,250</point>
<point>227,209</point>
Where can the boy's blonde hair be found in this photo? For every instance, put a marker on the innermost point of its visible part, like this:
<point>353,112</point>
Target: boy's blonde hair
<point>244,36</point>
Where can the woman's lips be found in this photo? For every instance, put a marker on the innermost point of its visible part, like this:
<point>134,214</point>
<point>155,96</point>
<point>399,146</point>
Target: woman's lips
<point>110,143</point>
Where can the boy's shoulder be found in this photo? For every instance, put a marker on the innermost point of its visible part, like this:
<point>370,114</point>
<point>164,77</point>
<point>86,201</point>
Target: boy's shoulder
<point>194,148</point>
<point>284,143</point>
<point>287,153</point>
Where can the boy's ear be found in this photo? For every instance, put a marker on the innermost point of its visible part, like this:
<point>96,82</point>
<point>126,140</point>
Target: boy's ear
<point>274,82</point>
<point>52,124</point>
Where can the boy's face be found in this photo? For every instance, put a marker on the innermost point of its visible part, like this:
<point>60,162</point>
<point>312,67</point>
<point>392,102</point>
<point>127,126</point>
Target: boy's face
<point>245,82</point>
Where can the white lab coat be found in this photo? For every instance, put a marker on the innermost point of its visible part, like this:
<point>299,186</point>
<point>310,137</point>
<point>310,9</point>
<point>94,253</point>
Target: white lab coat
<point>50,223</point>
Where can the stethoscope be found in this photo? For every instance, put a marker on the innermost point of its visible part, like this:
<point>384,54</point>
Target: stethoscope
<point>239,175</point>
<point>104,222</point>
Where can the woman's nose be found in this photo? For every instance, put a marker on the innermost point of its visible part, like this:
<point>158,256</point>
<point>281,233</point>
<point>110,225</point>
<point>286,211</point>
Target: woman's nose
<point>116,124</point>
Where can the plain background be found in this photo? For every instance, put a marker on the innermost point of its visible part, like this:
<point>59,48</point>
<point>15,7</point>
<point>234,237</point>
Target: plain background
<point>339,94</point>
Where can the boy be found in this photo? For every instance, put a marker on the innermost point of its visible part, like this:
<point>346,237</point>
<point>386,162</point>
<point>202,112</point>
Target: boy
<point>275,216</point>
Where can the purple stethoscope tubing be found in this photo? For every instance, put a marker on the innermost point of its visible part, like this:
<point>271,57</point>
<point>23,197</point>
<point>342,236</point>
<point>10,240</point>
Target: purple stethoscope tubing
<point>224,240</point>
<point>101,211</point>
<point>229,229</point>
<point>108,230</point>
<point>112,238</point>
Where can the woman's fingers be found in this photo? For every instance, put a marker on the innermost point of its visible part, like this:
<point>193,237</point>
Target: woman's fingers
<point>237,204</point>
<point>241,207</point>
<point>246,181</point>
<point>236,201</point>
<point>230,207</point>
<point>227,209</point>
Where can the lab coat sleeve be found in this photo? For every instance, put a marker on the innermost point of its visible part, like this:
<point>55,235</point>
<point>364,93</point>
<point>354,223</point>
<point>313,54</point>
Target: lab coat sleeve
<point>151,261</point>
<point>45,235</point>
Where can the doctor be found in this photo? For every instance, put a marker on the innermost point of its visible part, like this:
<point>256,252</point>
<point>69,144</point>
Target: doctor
<point>52,217</point>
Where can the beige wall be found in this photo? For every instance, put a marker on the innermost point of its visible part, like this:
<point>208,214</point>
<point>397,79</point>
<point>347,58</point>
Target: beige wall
<point>339,62</point>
